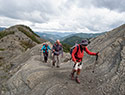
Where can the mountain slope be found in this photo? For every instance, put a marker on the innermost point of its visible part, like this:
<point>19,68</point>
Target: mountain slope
<point>72,40</point>
<point>110,70</point>
<point>13,42</point>
<point>33,77</point>
<point>83,35</point>
<point>78,37</point>
<point>17,39</point>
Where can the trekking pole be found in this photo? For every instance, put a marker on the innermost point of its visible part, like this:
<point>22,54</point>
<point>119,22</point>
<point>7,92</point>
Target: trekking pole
<point>95,64</point>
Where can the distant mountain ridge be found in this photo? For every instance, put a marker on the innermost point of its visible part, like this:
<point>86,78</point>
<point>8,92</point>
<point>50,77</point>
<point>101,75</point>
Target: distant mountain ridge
<point>83,35</point>
<point>62,34</point>
<point>49,37</point>
<point>2,28</point>
<point>89,35</point>
<point>72,40</point>
<point>78,37</point>
<point>52,36</point>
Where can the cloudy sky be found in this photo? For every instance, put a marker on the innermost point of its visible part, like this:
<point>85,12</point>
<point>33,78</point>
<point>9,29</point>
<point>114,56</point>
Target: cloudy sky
<point>87,16</point>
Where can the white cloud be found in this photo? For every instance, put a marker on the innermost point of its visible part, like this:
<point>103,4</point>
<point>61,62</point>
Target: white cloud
<point>62,15</point>
<point>7,22</point>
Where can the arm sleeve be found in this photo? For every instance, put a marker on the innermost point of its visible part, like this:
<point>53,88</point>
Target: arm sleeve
<point>89,52</point>
<point>53,50</point>
<point>73,54</point>
<point>49,48</point>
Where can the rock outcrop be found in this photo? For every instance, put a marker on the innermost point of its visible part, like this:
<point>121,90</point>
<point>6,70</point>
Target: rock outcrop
<point>34,77</point>
<point>109,73</point>
<point>17,39</point>
<point>13,42</point>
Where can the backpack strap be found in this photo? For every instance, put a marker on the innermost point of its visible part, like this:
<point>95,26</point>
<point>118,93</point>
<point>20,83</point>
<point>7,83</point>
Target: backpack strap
<point>77,49</point>
<point>45,48</point>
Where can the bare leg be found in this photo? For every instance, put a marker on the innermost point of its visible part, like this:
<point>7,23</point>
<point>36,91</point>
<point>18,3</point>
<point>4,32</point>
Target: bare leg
<point>58,64</point>
<point>54,61</point>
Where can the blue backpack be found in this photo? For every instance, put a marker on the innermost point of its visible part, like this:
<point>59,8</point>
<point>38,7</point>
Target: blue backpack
<point>45,49</point>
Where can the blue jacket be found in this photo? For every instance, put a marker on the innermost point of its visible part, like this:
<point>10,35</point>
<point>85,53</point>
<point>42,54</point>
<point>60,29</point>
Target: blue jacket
<point>44,48</point>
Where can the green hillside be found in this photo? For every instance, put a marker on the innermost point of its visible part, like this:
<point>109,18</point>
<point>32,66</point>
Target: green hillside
<point>24,29</point>
<point>72,40</point>
<point>88,35</point>
<point>82,35</point>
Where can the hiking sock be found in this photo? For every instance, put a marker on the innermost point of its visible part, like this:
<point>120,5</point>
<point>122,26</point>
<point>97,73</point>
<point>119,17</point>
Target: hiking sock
<point>72,74</point>
<point>78,72</point>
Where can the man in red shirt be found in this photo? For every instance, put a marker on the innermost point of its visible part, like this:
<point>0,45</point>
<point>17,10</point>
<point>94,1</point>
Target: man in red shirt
<point>77,55</point>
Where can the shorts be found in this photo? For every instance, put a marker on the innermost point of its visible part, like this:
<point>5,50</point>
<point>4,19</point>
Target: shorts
<point>78,66</point>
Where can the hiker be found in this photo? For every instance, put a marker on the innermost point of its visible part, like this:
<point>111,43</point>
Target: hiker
<point>57,50</point>
<point>45,49</point>
<point>77,55</point>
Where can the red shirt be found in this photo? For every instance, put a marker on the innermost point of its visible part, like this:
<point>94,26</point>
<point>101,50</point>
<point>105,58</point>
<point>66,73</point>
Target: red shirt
<point>78,57</point>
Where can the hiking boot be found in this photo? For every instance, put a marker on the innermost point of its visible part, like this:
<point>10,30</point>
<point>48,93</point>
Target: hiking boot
<point>77,80</point>
<point>58,66</point>
<point>53,64</point>
<point>45,61</point>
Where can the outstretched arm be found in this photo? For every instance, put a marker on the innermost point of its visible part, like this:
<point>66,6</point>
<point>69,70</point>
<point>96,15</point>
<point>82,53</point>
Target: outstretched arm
<point>89,52</point>
<point>49,47</point>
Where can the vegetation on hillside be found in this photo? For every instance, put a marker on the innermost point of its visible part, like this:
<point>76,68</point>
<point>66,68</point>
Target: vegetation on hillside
<point>26,44</point>
<point>31,36</point>
<point>72,40</point>
<point>66,47</point>
<point>30,30</point>
<point>3,33</point>
<point>2,49</point>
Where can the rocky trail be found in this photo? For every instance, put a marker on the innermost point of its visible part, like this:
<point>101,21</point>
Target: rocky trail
<point>31,76</point>
<point>39,78</point>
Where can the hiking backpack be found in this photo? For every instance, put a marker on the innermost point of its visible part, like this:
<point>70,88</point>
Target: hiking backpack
<point>46,45</point>
<point>55,46</point>
<point>71,50</point>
